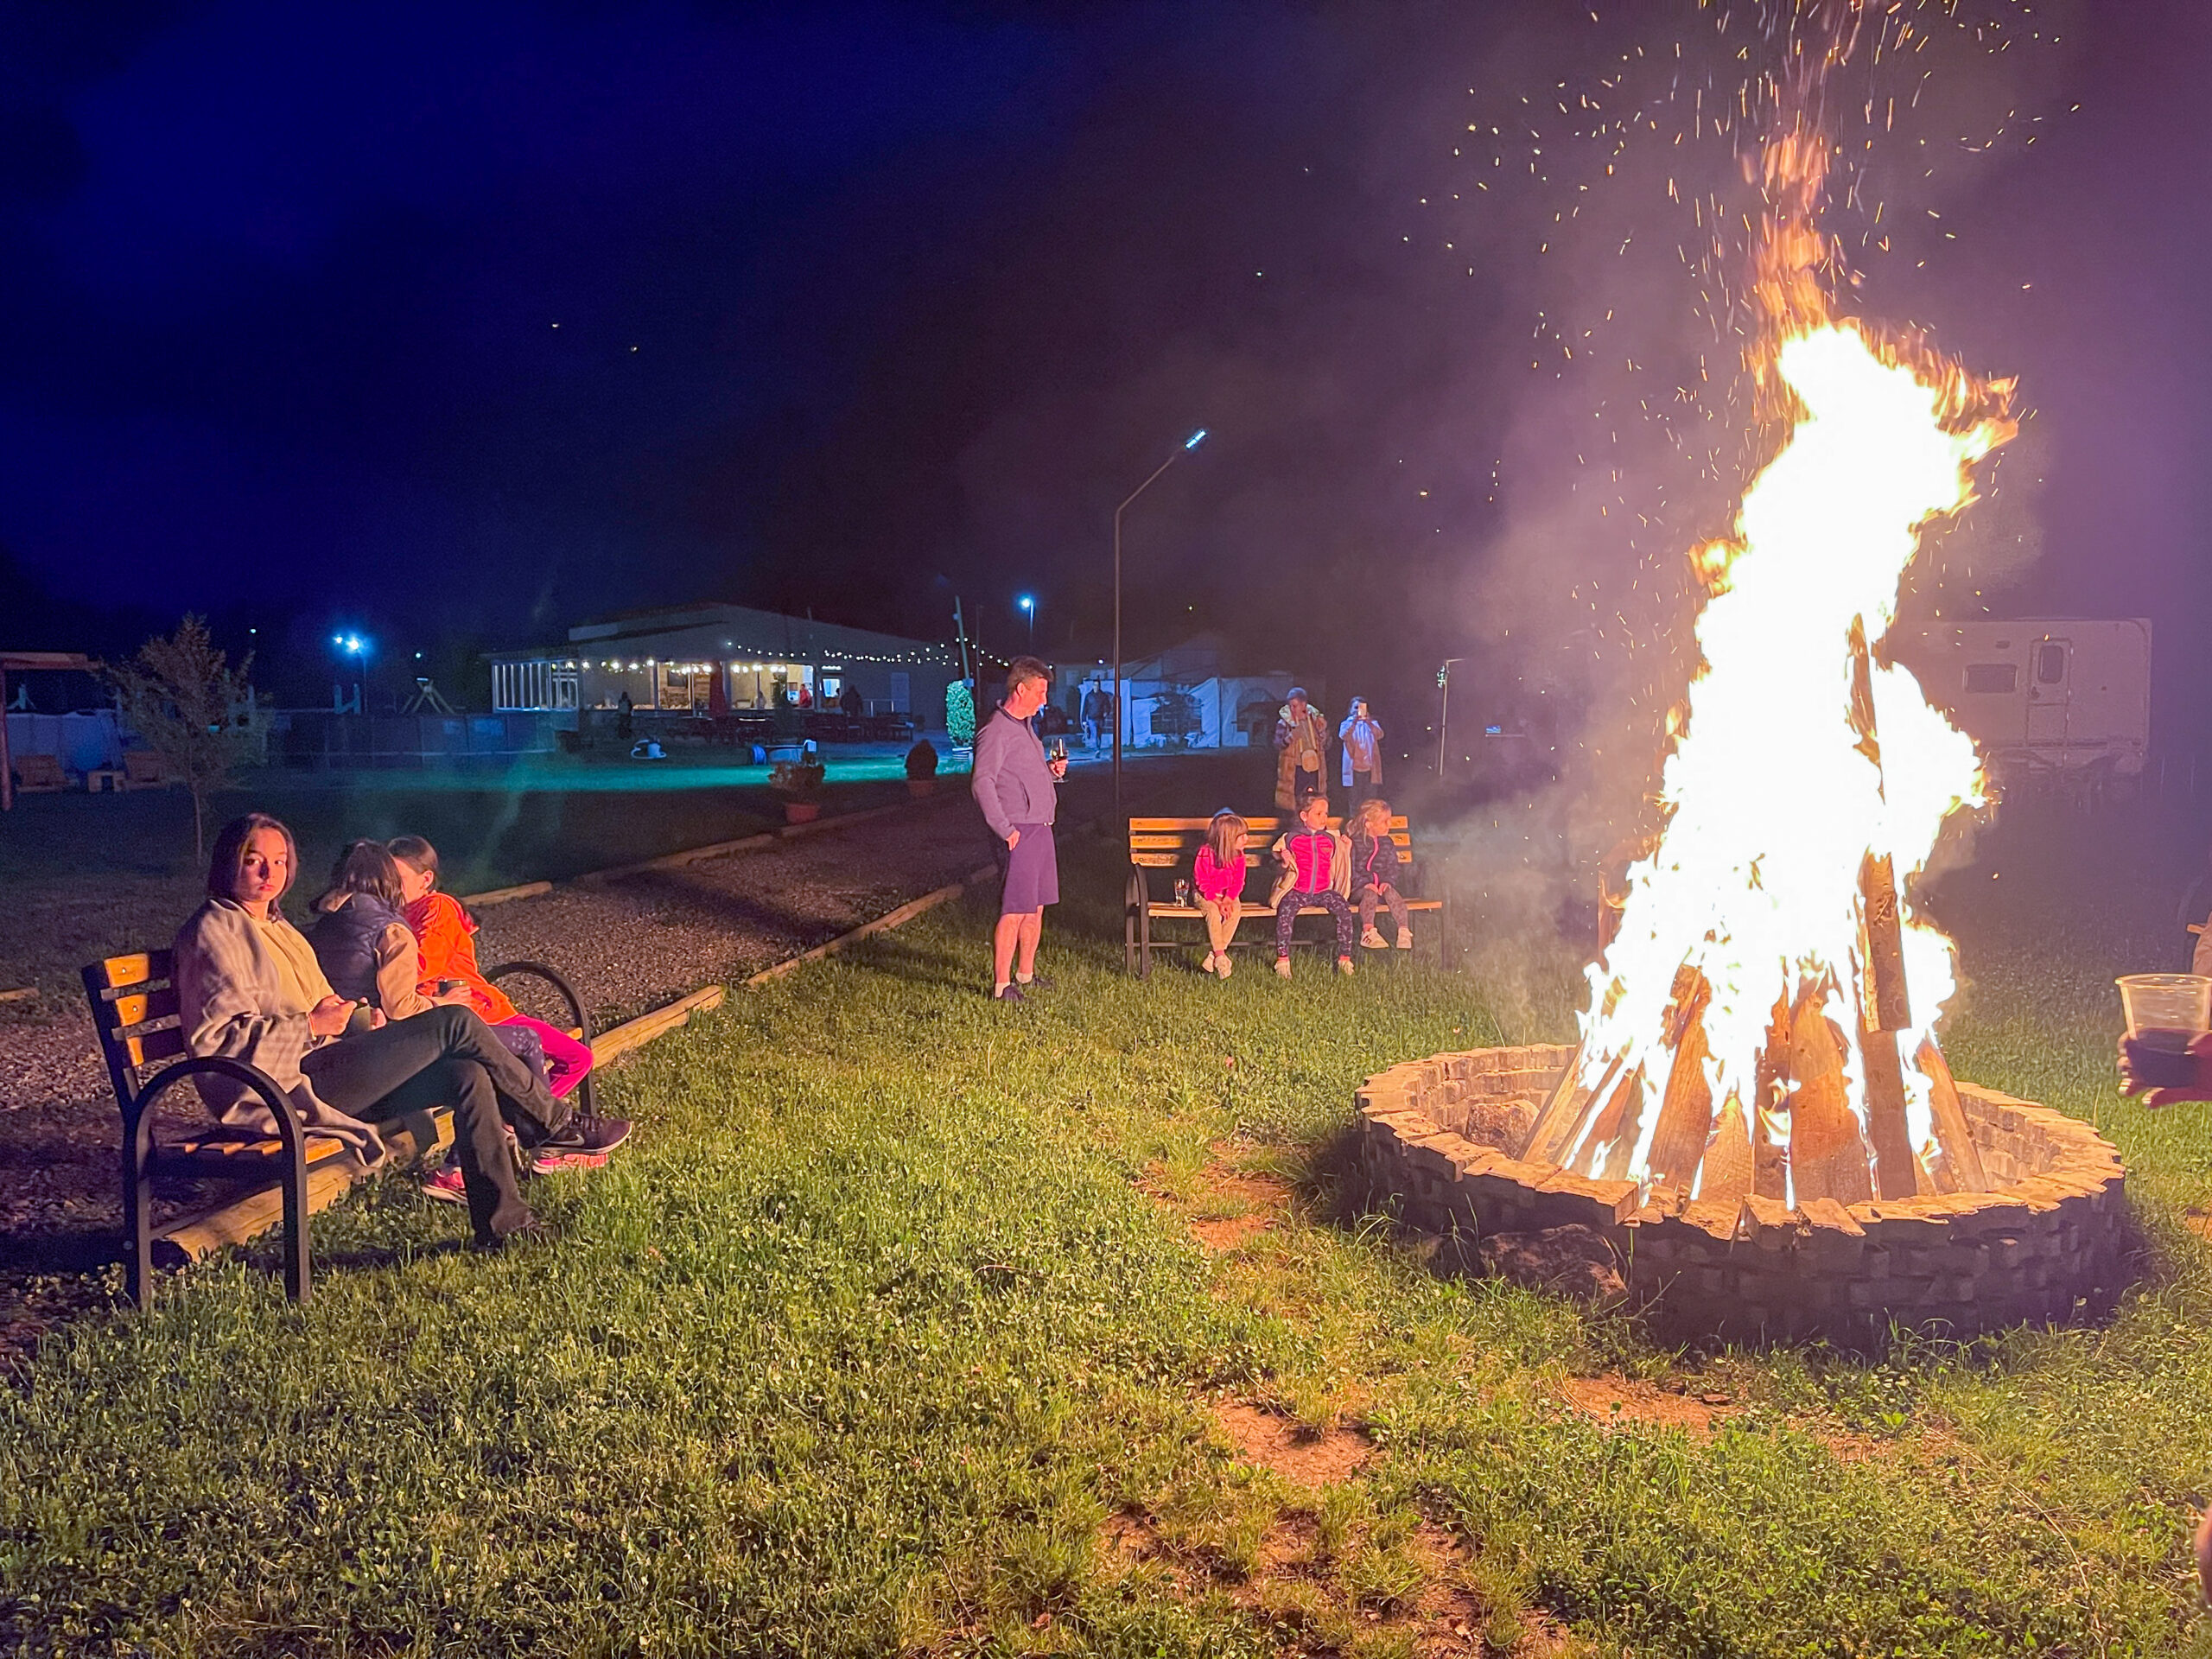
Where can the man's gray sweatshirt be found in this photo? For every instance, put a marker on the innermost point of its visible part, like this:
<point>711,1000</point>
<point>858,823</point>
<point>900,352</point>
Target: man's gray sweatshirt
<point>1013,781</point>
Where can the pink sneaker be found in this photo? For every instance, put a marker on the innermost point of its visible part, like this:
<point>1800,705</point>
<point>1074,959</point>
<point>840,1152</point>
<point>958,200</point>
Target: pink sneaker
<point>550,1159</point>
<point>446,1186</point>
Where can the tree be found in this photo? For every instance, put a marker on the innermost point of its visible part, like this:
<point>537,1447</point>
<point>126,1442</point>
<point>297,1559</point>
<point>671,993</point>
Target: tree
<point>183,698</point>
<point>960,715</point>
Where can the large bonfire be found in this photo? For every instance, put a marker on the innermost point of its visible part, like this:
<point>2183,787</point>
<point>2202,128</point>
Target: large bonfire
<point>1763,1019</point>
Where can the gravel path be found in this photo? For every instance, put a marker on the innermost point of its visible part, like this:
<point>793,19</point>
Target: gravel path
<point>627,944</point>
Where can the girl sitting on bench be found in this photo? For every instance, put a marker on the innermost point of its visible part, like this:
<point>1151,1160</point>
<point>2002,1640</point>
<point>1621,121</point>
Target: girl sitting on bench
<point>445,938</point>
<point>1217,881</point>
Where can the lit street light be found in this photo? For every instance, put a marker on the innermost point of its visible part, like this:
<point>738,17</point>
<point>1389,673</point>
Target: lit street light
<point>1189,444</point>
<point>1028,606</point>
<point>354,647</point>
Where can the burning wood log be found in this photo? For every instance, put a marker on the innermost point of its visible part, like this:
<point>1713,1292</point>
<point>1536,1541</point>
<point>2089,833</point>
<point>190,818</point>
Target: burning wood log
<point>1629,1100</point>
<point>1897,1173</point>
<point>1729,1163</point>
<point>1827,1155</point>
<point>1961,1158</point>
<point>1574,1132</point>
<point>1547,1135</point>
<point>1685,1110</point>
<point>1888,1006</point>
<point>1769,1164</point>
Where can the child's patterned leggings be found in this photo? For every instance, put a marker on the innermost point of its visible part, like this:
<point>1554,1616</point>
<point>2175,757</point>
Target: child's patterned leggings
<point>1293,901</point>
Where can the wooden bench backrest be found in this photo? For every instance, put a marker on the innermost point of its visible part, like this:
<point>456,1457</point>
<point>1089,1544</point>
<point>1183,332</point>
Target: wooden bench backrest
<point>39,771</point>
<point>1168,843</point>
<point>135,1011</point>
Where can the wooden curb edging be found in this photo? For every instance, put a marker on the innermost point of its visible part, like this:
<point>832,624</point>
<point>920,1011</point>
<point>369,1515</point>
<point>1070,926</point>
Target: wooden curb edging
<point>636,1034</point>
<point>501,895</point>
<point>890,919</point>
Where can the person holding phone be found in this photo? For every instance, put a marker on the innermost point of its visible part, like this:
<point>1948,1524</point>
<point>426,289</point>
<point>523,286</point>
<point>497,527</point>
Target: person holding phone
<point>1361,740</point>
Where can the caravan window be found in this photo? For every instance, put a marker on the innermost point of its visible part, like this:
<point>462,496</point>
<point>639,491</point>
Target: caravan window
<point>2001,678</point>
<point>2051,663</point>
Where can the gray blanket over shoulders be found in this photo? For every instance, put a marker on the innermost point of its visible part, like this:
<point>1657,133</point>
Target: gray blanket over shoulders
<point>231,999</point>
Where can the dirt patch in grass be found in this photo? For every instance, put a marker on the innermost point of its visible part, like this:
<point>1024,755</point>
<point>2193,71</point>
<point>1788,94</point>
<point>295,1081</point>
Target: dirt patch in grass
<point>1299,1455</point>
<point>1253,1203</point>
<point>1610,1398</point>
<point>1223,1205</point>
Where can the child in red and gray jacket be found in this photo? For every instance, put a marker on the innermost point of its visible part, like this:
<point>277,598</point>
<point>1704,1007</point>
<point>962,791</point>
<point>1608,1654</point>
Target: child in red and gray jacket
<point>1316,870</point>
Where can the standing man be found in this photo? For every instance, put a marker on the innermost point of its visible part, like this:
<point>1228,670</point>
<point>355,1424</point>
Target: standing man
<point>1362,737</point>
<point>1300,738</point>
<point>1014,783</point>
<point>1094,717</point>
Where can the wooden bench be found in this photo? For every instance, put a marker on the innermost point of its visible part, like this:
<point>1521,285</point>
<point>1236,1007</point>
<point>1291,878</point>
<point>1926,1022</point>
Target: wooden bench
<point>40,774</point>
<point>1169,845</point>
<point>144,769</point>
<point>135,1011</point>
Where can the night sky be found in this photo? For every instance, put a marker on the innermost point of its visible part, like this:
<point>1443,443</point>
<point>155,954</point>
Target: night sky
<point>460,323</point>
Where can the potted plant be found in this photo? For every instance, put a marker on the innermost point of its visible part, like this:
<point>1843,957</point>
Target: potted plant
<point>921,768</point>
<point>797,782</point>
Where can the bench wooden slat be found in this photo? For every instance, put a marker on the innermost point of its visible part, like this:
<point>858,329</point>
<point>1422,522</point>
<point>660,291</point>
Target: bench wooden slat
<point>119,973</point>
<point>156,1045</point>
<point>135,1007</point>
<point>1247,908</point>
<point>241,1153</point>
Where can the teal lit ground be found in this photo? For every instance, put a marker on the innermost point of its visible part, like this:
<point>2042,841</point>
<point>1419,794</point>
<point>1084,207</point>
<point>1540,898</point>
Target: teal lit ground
<point>684,769</point>
<point>912,1325</point>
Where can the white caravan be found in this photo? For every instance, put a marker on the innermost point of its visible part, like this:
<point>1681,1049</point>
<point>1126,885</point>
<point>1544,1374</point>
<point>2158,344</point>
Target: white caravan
<point>2063,699</point>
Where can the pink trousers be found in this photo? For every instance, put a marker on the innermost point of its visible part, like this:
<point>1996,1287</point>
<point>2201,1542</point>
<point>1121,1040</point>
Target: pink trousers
<point>566,1060</point>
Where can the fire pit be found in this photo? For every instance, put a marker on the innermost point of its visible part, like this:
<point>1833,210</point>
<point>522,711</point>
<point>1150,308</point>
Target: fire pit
<point>2048,1241</point>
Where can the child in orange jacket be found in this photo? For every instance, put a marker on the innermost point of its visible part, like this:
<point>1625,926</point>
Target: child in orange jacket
<point>446,934</point>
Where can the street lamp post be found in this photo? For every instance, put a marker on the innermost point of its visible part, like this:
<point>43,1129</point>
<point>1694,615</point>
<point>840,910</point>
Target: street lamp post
<point>1189,444</point>
<point>1444,711</point>
<point>1027,605</point>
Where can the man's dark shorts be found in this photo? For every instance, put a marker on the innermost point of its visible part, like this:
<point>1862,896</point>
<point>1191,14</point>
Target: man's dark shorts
<point>1030,871</point>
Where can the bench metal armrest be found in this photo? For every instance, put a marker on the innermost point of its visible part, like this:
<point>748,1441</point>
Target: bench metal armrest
<point>553,977</point>
<point>138,1131</point>
<point>585,1096</point>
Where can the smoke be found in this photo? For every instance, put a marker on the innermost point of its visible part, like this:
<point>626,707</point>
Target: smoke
<point>1608,181</point>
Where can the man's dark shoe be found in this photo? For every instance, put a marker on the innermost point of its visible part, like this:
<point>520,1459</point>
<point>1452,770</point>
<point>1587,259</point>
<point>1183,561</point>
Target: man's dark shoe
<point>1007,994</point>
<point>585,1132</point>
<point>528,1229</point>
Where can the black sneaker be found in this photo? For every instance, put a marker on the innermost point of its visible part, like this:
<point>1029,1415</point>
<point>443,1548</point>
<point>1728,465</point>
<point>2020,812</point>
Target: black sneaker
<point>585,1132</point>
<point>530,1229</point>
<point>1008,994</point>
<point>1035,983</point>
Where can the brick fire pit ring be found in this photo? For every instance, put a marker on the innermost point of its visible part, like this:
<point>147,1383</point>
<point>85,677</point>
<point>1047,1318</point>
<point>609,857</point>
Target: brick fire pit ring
<point>2051,1243</point>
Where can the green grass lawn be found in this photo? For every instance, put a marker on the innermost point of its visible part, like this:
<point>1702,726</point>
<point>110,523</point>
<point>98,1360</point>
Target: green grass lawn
<point>911,1323</point>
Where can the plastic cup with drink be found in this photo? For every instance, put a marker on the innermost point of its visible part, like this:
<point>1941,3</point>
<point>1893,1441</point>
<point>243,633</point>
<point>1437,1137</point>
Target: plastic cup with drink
<point>2165,1012</point>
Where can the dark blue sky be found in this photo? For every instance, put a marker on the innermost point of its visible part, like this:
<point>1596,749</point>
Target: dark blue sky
<point>858,305</point>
